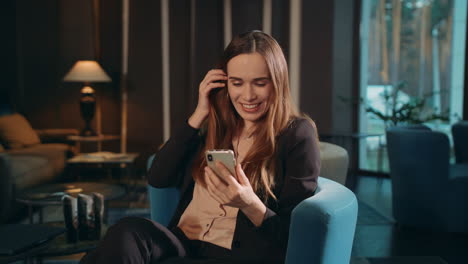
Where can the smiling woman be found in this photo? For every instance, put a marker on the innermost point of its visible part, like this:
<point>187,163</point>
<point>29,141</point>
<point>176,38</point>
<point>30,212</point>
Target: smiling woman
<point>249,86</point>
<point>245,106</point>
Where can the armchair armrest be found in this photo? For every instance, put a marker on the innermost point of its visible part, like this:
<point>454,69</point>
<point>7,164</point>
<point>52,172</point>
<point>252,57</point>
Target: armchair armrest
<point>322,226</point>
<point>56,135</point>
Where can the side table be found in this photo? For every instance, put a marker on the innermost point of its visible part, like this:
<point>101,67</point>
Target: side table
<point>96,139</point>
<point>126,161</point>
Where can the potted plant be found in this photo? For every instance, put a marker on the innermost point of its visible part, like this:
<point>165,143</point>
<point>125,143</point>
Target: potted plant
<point>399,109</point>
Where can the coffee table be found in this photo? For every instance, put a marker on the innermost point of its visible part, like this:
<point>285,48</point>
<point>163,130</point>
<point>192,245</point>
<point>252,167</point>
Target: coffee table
<point>51,194</point>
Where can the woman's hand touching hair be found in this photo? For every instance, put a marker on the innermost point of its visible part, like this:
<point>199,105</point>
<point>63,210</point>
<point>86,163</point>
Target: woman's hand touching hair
<point>213,79</point>
<point>235,192</point>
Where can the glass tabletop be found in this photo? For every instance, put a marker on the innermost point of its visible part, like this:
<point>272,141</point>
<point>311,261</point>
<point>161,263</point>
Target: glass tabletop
<point>51,194</point>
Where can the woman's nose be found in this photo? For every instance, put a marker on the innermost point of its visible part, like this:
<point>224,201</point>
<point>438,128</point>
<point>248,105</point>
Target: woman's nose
<point>248,93</point>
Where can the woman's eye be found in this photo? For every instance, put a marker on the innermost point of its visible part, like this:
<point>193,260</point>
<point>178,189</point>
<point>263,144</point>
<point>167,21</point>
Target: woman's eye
<point>260,84</point>
<point>237,84</point>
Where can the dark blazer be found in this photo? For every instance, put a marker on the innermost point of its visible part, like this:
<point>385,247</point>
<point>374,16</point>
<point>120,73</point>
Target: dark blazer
<point>297,169</point>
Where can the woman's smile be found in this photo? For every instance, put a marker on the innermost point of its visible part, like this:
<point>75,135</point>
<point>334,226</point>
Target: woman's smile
<point>251,108</point>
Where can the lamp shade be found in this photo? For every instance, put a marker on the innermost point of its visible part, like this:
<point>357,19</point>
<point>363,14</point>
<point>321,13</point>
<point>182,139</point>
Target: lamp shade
<point>86,71</point>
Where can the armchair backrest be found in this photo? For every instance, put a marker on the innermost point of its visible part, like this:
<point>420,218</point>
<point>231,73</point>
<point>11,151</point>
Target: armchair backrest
<point>460,141</point>
<point>418,153</point>
<point>419,166</point>
<point>163,201</point>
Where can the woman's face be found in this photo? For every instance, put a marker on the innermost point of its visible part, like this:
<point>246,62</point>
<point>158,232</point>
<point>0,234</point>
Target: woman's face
<point>249,86</point>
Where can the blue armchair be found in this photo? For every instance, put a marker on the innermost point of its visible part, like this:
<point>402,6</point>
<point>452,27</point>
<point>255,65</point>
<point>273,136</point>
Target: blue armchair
<point>322,226</point>
<point>460,141</point>
<point>427,192</point>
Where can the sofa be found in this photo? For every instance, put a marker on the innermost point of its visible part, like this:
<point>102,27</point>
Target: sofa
<point>28,158</point>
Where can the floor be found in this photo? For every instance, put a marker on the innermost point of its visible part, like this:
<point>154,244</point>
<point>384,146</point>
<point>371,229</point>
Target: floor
<point>397,244</point>
<point>377,242</point>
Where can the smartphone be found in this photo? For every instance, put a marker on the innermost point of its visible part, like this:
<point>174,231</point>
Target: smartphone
<point>225,156</point>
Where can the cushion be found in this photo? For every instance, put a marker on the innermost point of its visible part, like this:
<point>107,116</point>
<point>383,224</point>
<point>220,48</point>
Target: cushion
<point>334,161</point>
<point>16,132</point>
<point>37,164</point>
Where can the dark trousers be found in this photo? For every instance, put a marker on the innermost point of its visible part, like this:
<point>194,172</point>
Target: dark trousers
<point>140,240</point>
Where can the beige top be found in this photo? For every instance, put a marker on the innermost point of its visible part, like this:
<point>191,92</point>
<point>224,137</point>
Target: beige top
<point>207,220</point>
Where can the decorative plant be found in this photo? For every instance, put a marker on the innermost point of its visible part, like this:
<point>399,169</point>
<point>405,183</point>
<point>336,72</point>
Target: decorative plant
<point>411,111</point>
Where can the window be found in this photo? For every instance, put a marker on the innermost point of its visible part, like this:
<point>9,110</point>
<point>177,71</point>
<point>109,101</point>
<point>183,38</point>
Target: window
<point>411,51</point>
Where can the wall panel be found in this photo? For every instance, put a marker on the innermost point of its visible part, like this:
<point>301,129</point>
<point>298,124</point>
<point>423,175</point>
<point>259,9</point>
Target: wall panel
<point>180,61</point>
<point>316,62</point>
<point>144,77</point>
<point>246,15</point>
<point>280,24</point>
<point>208,40</point>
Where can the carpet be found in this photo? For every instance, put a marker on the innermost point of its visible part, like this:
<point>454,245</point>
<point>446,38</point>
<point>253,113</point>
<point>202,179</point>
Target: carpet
<point>398,260</point>
<point>367,215</point>
<point>354,260</point>
<point>406,260</point>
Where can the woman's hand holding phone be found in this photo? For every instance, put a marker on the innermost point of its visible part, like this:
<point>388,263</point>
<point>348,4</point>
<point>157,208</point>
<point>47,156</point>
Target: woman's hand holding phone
<point>236,192</point>
<point>213,79</point>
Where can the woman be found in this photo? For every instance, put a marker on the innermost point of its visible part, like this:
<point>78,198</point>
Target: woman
<point>245,105</point>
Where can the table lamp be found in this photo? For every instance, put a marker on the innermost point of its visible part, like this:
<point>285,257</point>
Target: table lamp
<point>87,71</point>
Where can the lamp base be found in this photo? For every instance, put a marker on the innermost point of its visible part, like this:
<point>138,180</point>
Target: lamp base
<point>88,132</point>
<point>87,108</point>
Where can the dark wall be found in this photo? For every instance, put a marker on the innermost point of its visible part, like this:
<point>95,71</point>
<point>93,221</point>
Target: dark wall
<point>110,57</point>
<point>75,42</point>
<point>208,42</point>
<point>37,44</point>
<point>181,59</point>
<point>51,35</point>
<point>144,77</point>
<point>8,54</point>
<point>280,27</point>
<point>246,15</point>
<point>316,62</point>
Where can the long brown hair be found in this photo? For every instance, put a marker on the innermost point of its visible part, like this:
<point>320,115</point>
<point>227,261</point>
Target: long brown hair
<point>224,122</point>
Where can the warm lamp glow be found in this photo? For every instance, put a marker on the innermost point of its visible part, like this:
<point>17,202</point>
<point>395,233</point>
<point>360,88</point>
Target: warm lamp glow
<point>87,90</point>
<point>86,71</point>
